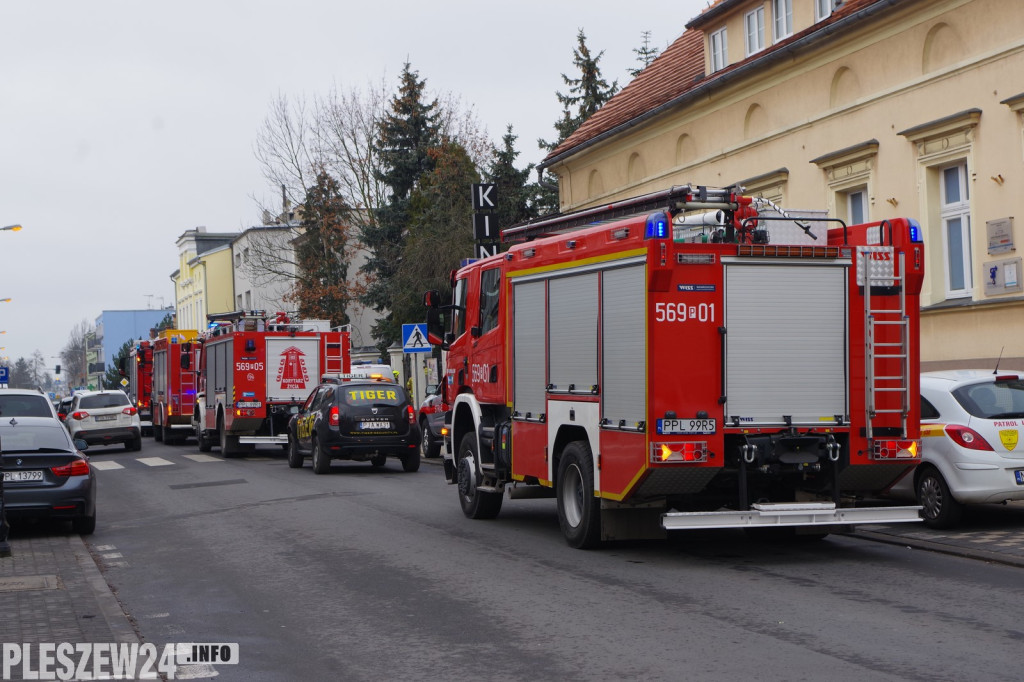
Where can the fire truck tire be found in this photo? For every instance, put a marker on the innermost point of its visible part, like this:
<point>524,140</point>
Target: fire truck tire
<point>939,509</point>
<point>476,504</point>
<point>228,444</point>
<point>579,512</point>
<point>168,435</point>
<point>321,462</point>
<point>205,444</point>
<point>158,432</point>
<point>411,461</point>
<point>295,458</point>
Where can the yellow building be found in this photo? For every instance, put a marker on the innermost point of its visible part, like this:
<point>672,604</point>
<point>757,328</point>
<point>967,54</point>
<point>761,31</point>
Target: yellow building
<point>871,109</point>
<point>204,280</point>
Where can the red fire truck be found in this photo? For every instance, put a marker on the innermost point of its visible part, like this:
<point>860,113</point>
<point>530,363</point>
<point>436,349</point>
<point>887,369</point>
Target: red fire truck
<point>174,389</point>
<point>140,382</point>
<point>253,372</point>
<point>691,358</point>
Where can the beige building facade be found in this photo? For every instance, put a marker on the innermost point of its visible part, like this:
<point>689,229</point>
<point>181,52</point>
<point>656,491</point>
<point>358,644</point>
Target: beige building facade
<point>869,109</point>
<point>204,280</point>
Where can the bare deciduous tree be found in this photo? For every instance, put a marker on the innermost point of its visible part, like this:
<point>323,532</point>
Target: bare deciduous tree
<point>73,354</point>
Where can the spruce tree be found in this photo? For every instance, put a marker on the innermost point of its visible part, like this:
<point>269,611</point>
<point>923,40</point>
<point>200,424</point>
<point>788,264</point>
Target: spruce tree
<point>512,185</point>
<point>405,136</point>
<point>645,54</point>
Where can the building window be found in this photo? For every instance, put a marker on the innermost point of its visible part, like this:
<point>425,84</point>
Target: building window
<point>857,206</point>
<point>248,300</point>
<point>955,213</point>
<point>782,11</point>
<point>238,302</point>
<point>719,50</point>
<point>823,8</point>
<point>755,31</point>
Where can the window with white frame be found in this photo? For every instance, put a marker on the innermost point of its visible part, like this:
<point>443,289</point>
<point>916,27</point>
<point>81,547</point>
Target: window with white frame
<point>823,8</point>
<point>782,13</point>
<point>754,22</point>
<point>719,50</point>
<point>857,206</point>
<point>955,213</point>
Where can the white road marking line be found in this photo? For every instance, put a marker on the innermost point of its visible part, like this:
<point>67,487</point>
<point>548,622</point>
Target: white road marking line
<point>102,466</point>
<point>113,555</point>
<point>203,458</point>
<point>154,461</point>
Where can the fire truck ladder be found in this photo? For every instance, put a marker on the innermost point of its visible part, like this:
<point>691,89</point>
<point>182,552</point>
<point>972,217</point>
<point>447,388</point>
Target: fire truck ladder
<point>874,320</point>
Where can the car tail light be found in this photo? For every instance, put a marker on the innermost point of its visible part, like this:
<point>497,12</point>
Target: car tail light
<point>897,449</point>
<point>129,411</point>
<point>77,468</point>
<point>410,413</point>
<point>967,438</point>
<point>334,418</point>
<point>80,414</point>
<point>692,451</point>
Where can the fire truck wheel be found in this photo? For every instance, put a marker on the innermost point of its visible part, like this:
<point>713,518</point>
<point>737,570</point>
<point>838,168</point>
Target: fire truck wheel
<point>321,462</point>
<point>476,504</point>
<point>228,444</point>
<point>411,461</point>
<point>295,458</point>
<point>205,444</point>
<point>939,509</point>
<point>579,512</point>
<point>158,433</point>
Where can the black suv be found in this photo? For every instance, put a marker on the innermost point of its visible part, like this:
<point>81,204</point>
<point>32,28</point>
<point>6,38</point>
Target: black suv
<point>358,419</point>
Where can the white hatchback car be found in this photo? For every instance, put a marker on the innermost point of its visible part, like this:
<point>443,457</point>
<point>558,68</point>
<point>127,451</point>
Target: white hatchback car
<point>104,418</point>
<point>972,451</point>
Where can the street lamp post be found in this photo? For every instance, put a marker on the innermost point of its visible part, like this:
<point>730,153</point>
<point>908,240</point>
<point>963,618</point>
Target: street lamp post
<point>5,529</point>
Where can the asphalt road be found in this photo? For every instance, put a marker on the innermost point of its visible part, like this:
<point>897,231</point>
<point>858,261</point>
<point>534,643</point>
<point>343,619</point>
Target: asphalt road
<point>370,574</point>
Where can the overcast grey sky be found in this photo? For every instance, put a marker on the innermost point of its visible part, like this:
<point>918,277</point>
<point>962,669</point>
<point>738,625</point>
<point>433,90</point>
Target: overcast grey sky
<point>125,123</point>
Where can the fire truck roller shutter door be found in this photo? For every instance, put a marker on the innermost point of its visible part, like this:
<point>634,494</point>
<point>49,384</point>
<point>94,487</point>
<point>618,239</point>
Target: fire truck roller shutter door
<point>572,324</point>
<point>529,348</point>
<point>624,345</point>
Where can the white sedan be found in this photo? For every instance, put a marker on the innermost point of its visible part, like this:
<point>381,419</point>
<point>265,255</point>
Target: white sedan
<point>971,446</point>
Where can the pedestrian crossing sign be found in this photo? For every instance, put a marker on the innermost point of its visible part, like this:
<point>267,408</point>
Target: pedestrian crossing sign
<point>414,338</point>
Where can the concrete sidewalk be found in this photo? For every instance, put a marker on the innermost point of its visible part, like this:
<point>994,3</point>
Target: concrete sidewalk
<point>52,591</point>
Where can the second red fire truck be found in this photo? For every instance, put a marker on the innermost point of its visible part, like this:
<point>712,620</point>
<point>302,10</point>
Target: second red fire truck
<point>252,373</point>
<point>174,391</point>
<point>677,360</point>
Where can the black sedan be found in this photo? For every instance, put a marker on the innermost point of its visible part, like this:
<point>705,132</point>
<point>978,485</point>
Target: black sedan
<point>45,475</point>
<point>357,419</point>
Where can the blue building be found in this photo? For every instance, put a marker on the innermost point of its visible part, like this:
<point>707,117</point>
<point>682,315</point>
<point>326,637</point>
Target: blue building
<point>114,327</point>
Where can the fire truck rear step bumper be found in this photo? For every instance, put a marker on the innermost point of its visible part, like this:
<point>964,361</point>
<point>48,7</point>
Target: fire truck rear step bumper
<point>790,514</point>
<point>265,440</point>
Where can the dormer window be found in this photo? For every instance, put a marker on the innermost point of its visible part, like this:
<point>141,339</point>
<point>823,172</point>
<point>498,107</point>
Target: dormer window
<point>754,22</point>
<point>782,13</point>
<point>719,50</point>
<point>823,8</point>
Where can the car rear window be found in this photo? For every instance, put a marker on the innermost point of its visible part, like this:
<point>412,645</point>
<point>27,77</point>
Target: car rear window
<point>28,438</point>
<point>992,400</point>
<point>95,402</point>
<point>24,406</point>
<point>359,395</point>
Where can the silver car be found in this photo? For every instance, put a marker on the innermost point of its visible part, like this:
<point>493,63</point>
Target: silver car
<point>104,418</point>
<point>972,451</point>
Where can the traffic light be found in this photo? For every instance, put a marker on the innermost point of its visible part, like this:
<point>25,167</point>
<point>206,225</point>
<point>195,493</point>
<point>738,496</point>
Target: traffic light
<point>57,371</point>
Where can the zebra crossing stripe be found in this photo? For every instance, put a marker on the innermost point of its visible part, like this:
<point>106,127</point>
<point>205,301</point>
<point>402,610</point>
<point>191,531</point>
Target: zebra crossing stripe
<point>154,461</point>
<point>101,466</point>
<point>203,458</point>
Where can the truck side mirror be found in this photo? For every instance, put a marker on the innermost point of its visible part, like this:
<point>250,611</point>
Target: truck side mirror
<point>432,299</point>
<point>435,329</point>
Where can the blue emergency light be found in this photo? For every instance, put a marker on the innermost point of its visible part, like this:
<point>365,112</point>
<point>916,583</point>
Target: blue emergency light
<point>915,231</point>
<point>657,226</point>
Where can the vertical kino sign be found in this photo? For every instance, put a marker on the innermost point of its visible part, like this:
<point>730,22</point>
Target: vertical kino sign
<point>485,228</point>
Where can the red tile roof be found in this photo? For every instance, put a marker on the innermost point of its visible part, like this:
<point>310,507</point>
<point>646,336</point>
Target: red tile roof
<point>678,72</point>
